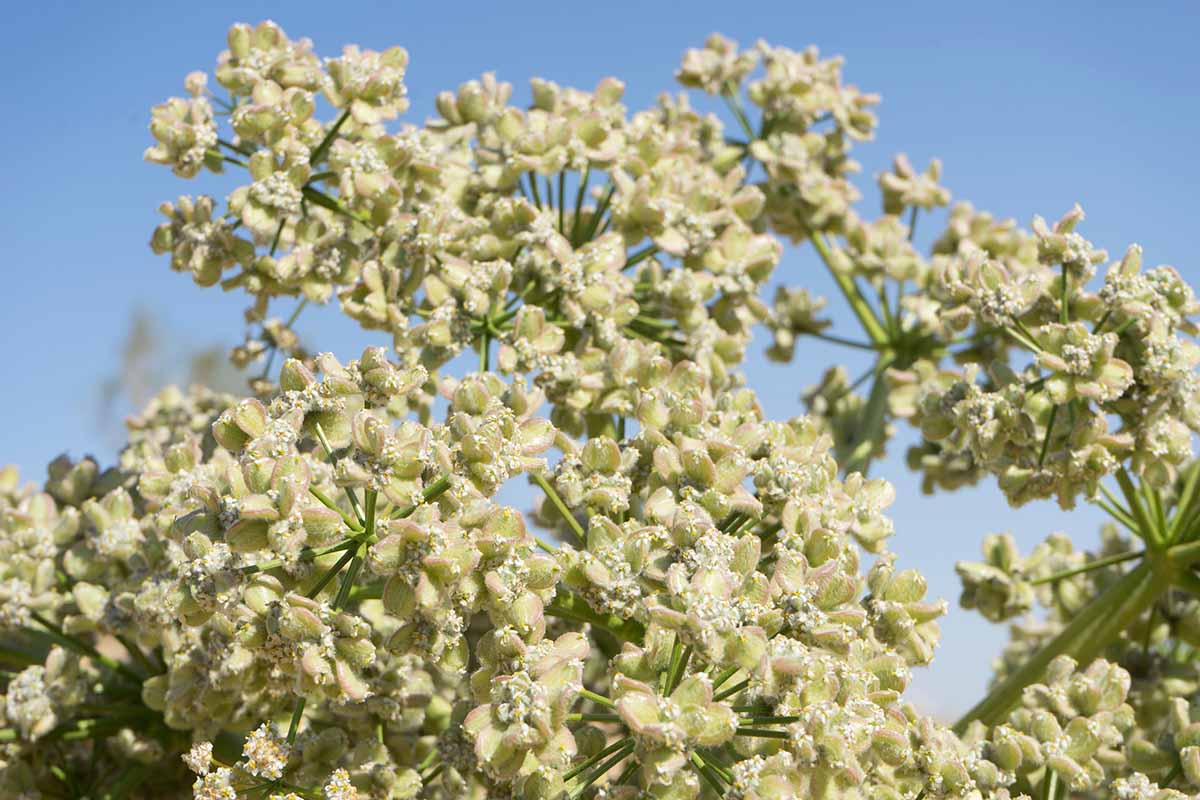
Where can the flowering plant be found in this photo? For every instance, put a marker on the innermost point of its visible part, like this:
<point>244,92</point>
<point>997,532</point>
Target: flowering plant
<point>314,591</point>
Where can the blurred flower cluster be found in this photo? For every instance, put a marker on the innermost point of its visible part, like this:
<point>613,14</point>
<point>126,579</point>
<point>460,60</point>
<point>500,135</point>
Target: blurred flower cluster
<point>316,591</point>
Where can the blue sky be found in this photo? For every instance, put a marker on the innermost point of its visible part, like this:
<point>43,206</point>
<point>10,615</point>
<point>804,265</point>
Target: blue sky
<point>1031,106</point>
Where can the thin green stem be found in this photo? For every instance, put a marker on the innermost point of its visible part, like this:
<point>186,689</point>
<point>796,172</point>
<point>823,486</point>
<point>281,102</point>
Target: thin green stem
<point>680,669</point>
<point>1145,525</point>
<point>235,148</point>
<point>1046,439</point>
<point>827,337</point>
<point>1100,563</point>
<point>432,492</point>
<point>580,193</point>
<point>71,643</point>
<point>1051,788</point>
<point>1028,334</point>
<point>724,676</point>
<point>306,554</point>
<point>137,655</point>
<point>619,744</point>
<point>537,195</point>
<point>598,214</point>
<point>572,607</point>
<point>597,698</point>
<point>346,558</point>
<point>874,418</point>
<point>587,717</point>
<point>1021,339</point>
<point>558,503</point>
<point>1126,325</point>
<point>297,715</point>
<point>314,195</point>
<point>769,720</point>
<point>734,101</point>
<point>602,769</point>
<point>858,304</point>
<point>350,495</point>
<point>327,141</point>
<point>640,256</point>
<point>328,502</point>
<point>732,690</point>
<point>762,733</point>
<point>278,235</point>
<point>1064,297</point>
<point>562,202</point>
<point>705,771</point>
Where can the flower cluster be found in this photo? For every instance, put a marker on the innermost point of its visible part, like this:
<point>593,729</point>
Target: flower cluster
<point>318,590</point>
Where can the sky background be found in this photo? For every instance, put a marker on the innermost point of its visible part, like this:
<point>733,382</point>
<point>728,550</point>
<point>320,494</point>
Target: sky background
<point>1032,107</point>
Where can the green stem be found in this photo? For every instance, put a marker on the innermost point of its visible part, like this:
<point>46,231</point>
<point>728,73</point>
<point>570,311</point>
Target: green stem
<point>297,715</point>
<point>602,207</point>
<point>580,193</point>
<point>734,101</point>
<point>537,195</point>
<point>1046,438</point>
<point>562,202</point>
<point>320,432</point>
<point>762,733</point>
<point>1100,563</point>
<point>572,607</point>
<point>844,342</point>
<point>850,290</point>
<point>732,690</point>
<point>620,744</point>
<point>588,694</point>
<point>681,669</point>
<point>640,256</point>
<point>724,676</point>
<point>346,558</point>
<point>706,772</point>
<point>1064,299</point>
<point>230,145</point>
<point>586,717</point>
<point>306,554</point>
<point>326,501</point>
<point>558,503</point>
<point>432,492</point>
<point>71,643</point>
<point>137,655</point>
<point>327,141</point>
<point>601,770</point>
<point>1051,789</point>
<point>1184,554</point>
<point>317,197</point>
<point>1087,634</point>
<point>1145,526</point>
<point>1184,504</point>
<point>873,421</point>
<point>1118,513</point>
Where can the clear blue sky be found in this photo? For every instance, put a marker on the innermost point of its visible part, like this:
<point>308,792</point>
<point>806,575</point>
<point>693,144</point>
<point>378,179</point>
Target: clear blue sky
<point>1032,106</point>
